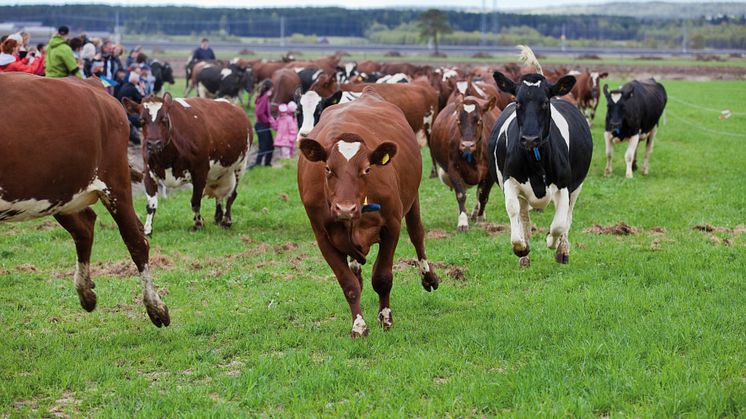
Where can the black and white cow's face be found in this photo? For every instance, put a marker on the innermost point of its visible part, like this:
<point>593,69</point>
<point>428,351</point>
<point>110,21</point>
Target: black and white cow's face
<point>533,112</point>
<point>310,108</point>
<point>347,72</point>
<point>616,108</point>
<point>167,73</point>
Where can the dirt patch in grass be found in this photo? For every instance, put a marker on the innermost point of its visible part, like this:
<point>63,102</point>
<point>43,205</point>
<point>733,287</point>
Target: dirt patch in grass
<point>46,225</point>
<point>437,234</point>
<point>709,228</point>
<point>456,273</point>
<point>27,268</point>
<point>285,247</point>
<point>726,241</point>
<point>619,229</point>
<point>66,402</point>
<point>494,228</point>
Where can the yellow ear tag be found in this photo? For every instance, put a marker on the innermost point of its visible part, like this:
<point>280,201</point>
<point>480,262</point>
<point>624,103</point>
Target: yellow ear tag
<point>385,158</point>
<point>365,201</point>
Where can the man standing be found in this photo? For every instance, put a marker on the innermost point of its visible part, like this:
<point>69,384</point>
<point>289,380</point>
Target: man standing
<point>60,61</point>
<point>204,52</point>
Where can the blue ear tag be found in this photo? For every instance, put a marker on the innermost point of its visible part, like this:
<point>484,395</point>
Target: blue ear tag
<point>536,154</point>
<point>370,207</point>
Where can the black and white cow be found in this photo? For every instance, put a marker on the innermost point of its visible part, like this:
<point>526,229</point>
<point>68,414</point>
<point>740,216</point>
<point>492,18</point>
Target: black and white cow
<point>307,76</point>
<point>540,151</point>
<point>163,73</point>
<point>310,107</point>
<point>347,72</point>
<point>223,82</point>
<point>632,114</point>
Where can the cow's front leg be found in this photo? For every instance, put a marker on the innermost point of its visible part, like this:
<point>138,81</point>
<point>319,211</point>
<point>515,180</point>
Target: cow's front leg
<point>483,195</point>
<point>557,236</point>
<point>629,156</point>
<point>151,193</point>
<point>383,277</point>
<point>198,184</point>
<point>517,234</point>
<point>609,152</point>
<point>218,211</point>
<point>458,187</point>
<point>648,151</point>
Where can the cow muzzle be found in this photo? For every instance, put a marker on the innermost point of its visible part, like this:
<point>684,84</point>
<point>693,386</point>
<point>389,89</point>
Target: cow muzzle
<point>467,149</point>
<point>345,211</point>
<point>154,146</point>
<point>530,141</point>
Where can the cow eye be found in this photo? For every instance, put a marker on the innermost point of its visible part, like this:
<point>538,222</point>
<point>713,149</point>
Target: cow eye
<point>328,170</point>
<point>366,171</point>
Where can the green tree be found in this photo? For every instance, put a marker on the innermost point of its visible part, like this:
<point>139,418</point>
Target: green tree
<point>431,23</point>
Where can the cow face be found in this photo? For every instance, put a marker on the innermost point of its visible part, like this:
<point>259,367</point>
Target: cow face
<point>325,84</point>
<point>470,124</point>
<point>310,109</point>
<point>167,73</point>
<point>155,120</point>
<point>615,101</point>
<point>347,72</point>
<point>348,164</point>
<point>533,112</point>
<point>595,81</point>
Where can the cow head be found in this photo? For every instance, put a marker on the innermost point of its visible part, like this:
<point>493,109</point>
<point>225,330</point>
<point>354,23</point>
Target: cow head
<point>471,126</point>
<point>348,164</point>
<point>595,81</point>
<point>615,101</point>
<point>155,119</point>
<point>311,105</point>
<point>533,113</point>
<point>347,72</point>
<point>325,84</point>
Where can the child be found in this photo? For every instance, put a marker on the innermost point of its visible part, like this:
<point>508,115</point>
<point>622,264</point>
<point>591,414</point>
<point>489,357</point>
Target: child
<point>287,130</point>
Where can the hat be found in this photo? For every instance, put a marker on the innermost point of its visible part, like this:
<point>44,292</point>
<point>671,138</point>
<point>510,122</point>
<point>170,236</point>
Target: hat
<point>144,66</point>
<point>63,30</point>
<point>283,107</point>
<point>292,107</point>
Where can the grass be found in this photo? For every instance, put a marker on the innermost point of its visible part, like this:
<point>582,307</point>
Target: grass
<point>644,325</point>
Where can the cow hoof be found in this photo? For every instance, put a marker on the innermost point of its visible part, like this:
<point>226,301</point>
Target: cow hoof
<point>524,262</point>
<point>226,223</point>
<point>563,252</point>
<point>607,172</point>
<point>386,319</point>
<point>520,249</point>
<point>359,328</point>
<point>562,258</point>
<point>628,175</point>
<point>197,227</point>
<point>463,228</point>
<point>359,334</point>
<point>551,241</point>
<point>87,298</point>
<point>430,281</point>
<point>158,314</point>
<point>644,171</point>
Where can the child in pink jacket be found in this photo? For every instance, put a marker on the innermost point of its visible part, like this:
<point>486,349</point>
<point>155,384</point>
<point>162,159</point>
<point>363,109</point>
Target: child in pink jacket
<point>287,130</point>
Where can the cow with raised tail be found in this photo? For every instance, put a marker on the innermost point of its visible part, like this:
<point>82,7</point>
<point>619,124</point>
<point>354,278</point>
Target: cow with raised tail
<point>195,140</point>
<point>48,171</point>
<point>633,112</point>
<point>540,151</point>
<point>358,177</point>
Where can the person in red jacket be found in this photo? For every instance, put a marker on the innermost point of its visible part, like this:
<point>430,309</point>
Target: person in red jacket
<point>9,62</point>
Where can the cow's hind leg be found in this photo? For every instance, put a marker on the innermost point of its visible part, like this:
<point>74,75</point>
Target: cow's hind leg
<point>416,230</point>
<point>383,277</point>
<point>483,195</point>
<point>227,220</point>
<point>218,211</point>
<point>648,151</point>
<point>80,226</point>
<point>609,152</point>
<point>196,201</point>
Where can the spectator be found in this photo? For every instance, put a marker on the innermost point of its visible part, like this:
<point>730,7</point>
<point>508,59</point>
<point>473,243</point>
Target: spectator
<point>60,61</point>
<point>204,52</point>
<point>119,78</point>
<point>133,55</point>
<point>264,122</point>
<point>111,61</point>
<point>88,54</point>
<point>287,130</point>
<point>147,79</point>
<point>131,90</point>
<point>9,60</point>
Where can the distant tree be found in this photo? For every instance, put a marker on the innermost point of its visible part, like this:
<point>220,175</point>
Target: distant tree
<point>431,23</point>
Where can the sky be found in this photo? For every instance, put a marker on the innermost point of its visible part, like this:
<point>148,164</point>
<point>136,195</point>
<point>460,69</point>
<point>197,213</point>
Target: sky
<point>462,4</point>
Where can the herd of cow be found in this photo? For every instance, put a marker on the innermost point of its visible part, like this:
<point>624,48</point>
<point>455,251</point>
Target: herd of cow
<point>520,127</point>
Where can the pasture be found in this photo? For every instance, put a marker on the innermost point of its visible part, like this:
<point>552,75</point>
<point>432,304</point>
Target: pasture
<point>645,324</point>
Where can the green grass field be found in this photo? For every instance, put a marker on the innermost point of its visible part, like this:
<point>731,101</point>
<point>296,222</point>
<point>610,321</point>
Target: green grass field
<point>650,324</point>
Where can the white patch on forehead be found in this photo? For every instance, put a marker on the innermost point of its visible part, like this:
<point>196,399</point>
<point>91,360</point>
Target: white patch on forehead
<point>348,68</point>
<point>348,150</point>
<point>462,86</point>
<point>594,77</point>
<point>562,125</point>
<point>448,74</point>
<point>183,103</point>
<point>469,108</point>
<point>529,84</point>
<point>225,73</point>
<point>574,73</point>
<point>615,97</point>
<point>153,108</point>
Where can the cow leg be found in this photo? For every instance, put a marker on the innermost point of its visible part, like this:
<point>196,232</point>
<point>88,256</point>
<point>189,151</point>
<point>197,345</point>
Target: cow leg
<point>416,230</point>
<point>648,151</point>
<point>120,207</point>
<point>629,156</point>
<point>198,189</point>
<point>383,277</point>
<point>80,225</point>
<point>483,195</point>
<point>218,211</point>
<point>609,152</point>
<point>514,205</point>
<point>458,187</point>
<point>557,236</point>
<point>151,193</point>
<point>357,269</point>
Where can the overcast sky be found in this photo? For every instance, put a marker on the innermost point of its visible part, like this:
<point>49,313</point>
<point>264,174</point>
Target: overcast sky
<point>501,4</point>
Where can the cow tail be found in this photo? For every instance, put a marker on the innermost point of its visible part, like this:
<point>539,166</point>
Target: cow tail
<point>528,58</point>
<point>135,175</point>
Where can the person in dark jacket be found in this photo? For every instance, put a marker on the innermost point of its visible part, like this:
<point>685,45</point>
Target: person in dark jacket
<point>264,123</point>
<point>204,52</point>
<point>132,90</point>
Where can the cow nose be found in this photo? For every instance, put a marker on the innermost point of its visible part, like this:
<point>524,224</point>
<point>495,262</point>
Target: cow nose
<point>345,211</point>
<point>153,146</point>
<point>530,140</point>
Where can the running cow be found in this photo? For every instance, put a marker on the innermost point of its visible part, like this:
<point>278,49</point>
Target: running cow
<point>540,151</point>
<point>48,171</point>
<point>632,114</point>
<point>195,140</point>
<point>358,177</point>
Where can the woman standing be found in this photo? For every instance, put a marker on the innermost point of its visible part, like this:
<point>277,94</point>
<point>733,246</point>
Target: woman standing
<point>264,123</point>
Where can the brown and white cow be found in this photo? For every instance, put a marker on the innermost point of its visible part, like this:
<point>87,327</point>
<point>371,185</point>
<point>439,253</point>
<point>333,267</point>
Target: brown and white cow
<point>46,170</point>
<point>358,177</point>
<point>459,143</point>
<point>195,140</point>
<point>587,92</point>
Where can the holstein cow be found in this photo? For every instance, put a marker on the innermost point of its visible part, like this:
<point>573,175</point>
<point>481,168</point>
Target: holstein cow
<point>46,170</point>
<point>540,151</point>
<point>359,176</point>
<point>587,91</point>
<point>226,82</point>
<point>633,113</point>
<point>163,73</point>
<point>195,140</point>
<point>459,143</point>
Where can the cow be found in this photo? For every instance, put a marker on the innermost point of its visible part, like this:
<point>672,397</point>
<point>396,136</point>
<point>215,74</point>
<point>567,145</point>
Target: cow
<point>48,171</point>
<point>285,84</point>
<point>347,73</point>
<point>633,112</point>
<point>368,67</point>
<point>540,151</point>
<point>358,177</point>
<point>587,91</point>
<point>459,144</point>
<point>195,140</point>
<point>193,68</point>
<point>225,82</point>
<point>163,73</point>
<point>481,89</point>
<point>265,69</point>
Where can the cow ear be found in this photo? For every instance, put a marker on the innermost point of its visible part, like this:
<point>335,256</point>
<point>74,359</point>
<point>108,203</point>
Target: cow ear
<point>606,91</point>
<point>333,99</point>
<point>131,106</point>
<point>489,105</point>
<point>168,100</point>
<point>504,83</point>
<point>603,76</point>
<point>383,154</point>
<point>312,150</point>
<point>563,86</point>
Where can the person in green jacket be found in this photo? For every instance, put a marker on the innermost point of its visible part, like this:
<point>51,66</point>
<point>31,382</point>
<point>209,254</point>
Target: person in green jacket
<point>60,61</point>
